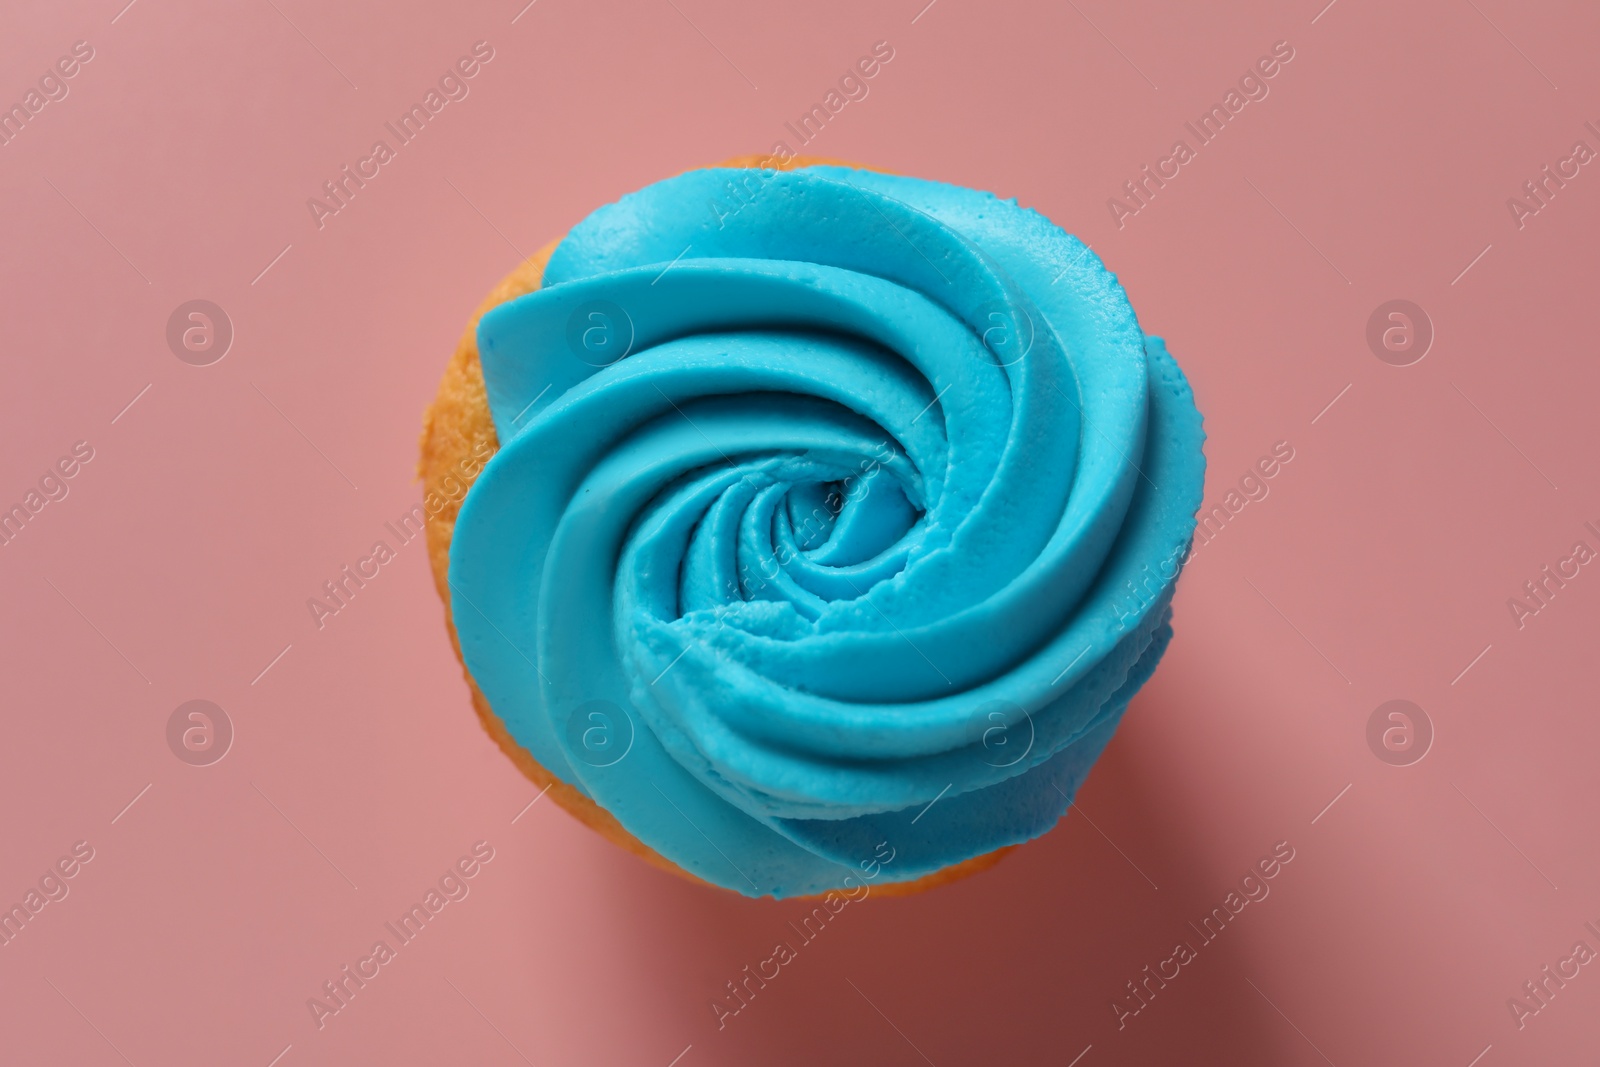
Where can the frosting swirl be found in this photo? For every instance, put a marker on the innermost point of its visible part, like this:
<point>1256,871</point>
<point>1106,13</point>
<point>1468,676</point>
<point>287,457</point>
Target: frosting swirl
<point>851,515</point>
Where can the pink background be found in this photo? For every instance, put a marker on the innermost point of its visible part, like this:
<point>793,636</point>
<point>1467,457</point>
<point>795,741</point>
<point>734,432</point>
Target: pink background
<point>215,905</point>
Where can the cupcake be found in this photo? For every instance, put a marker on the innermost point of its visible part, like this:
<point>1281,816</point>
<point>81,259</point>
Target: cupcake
<point>807,529</point>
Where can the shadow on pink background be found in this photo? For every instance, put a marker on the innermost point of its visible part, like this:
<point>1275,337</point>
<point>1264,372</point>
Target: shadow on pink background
<point>1420,498</point>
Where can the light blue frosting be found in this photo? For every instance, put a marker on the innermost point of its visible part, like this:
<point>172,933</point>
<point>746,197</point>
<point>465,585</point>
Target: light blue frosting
<point>832,508</point>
